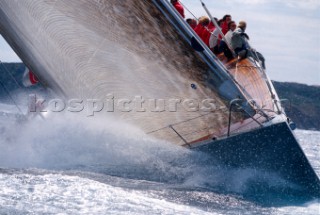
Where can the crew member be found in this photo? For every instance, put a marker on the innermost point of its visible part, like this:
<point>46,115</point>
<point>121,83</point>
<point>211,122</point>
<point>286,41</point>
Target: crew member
<point>176,4</point>
<point>192,22</point>
<point>215,38</point>
<point>239,40</point>
<point>240,45</point>
<point>227,40</point>
<point>202,29</point>
<point>225,22</point>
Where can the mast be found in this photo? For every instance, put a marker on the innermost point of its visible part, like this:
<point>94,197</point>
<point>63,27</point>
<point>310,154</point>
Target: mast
<point>217,26</point>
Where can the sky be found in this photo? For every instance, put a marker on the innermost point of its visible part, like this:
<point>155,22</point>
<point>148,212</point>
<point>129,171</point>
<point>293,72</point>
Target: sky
<point>286,32</point>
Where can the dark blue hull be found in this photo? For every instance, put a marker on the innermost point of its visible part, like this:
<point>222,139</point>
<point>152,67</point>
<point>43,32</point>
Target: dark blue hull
<point>273,149</point>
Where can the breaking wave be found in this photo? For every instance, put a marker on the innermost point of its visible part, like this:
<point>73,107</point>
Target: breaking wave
<point>110,147</point>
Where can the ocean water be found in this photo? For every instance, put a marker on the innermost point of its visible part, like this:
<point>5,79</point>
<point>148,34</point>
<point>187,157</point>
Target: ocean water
<point>66,165</point>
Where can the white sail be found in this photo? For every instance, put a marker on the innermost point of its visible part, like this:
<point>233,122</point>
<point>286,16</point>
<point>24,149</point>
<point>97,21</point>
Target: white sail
<point>93,49</point>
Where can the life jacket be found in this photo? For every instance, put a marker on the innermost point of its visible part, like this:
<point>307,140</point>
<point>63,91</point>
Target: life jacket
<point>179,8</point>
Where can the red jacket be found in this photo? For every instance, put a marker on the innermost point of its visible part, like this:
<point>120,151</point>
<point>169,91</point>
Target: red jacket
<point>204,32</point>
<point>206,36</point>
<point>224,27</point>
<point>199,29</point>
<point>193,25</point>
<point>179,8</point>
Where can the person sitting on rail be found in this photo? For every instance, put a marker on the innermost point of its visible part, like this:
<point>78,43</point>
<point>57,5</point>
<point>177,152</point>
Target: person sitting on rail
<point>224,25</point>
<point>239,43</point>
<point>176,4</point>
<point>192,22</point>
<point>203,30</point>
<point>206,34</point>
<point>215,38</point>
<point>227,40</point>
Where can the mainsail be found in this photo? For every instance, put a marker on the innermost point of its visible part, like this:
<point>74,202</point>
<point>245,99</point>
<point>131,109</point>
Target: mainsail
<point>122,49</point>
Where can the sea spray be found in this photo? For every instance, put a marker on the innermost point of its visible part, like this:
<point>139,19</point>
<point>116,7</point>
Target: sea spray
<point>71,143</point>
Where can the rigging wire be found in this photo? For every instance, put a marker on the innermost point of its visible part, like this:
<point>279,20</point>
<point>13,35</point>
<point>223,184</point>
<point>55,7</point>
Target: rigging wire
<point>217,26</point>
<point>189,11</point>
<point>273,96</point>
<point>211,32</point>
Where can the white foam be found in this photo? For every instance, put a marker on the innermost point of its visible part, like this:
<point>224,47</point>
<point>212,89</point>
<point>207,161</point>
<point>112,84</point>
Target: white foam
<point>54,193</point>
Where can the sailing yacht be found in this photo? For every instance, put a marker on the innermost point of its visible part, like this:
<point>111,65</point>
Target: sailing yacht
<point>126,50</point>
